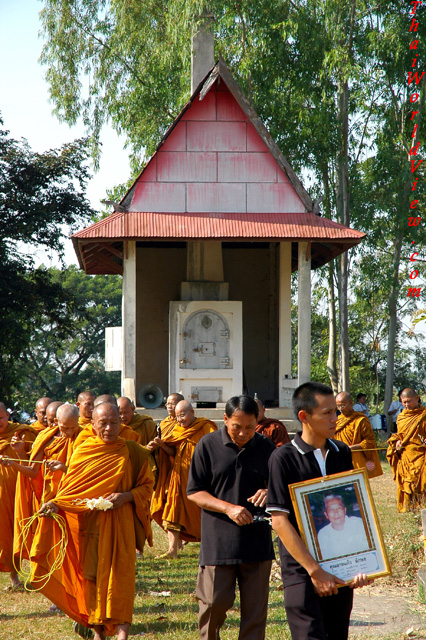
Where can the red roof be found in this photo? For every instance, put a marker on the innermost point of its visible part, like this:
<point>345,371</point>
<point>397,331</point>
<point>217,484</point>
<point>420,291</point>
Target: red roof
<point>138,225</point>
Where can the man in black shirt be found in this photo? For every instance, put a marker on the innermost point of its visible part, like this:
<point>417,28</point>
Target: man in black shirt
<point>316,609</point>
<point>228,480</point>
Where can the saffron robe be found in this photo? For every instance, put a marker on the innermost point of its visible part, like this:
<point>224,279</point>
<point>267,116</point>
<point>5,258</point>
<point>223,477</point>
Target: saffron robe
<point>408,463</point>
<point>164,469</point>
<point>29,491</point>
<point>125,432</point>
<point>84,422</point>
<point>38,426</point>
<point>178,510</point>
<point>274,430</point>
<point>145,426</point>
<point>7,490</point>
<point>356,429</point>
<point>96,584</point>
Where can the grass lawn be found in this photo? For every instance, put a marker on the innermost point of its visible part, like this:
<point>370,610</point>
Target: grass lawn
<point>165,606</point>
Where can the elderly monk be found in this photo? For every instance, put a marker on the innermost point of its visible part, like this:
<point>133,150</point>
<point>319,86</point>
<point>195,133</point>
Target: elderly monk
<point>40,411</point>
<point>142,424</point>
<point>163,459</point>
<point>13,438</point>
<point>85,403</point>
<point>355,430</point>
<point>270,427</point>
<point>406,453</point>
<point>51,410</point>
<point>182,518</point>
<point>125,432</point>
<point>96,584</point>
<point>38,483</point>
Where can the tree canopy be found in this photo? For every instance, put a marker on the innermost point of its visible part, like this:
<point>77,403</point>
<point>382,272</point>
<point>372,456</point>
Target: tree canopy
<point>42,195</point>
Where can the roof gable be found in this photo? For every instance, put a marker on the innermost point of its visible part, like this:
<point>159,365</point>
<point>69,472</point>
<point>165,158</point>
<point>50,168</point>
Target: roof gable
<point>218,157</point>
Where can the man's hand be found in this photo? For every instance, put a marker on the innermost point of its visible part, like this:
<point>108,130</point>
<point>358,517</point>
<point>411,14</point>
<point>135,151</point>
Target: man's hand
<point>259,498</point>
<point>239,515</point>
<point>398,445</point>
<point>325,584</point>
<point>56,465</point>
<point>119,499</point>
<point>360,580</point>
<point>6,463</point>
<point>48,508</point>
<point>18,445</point>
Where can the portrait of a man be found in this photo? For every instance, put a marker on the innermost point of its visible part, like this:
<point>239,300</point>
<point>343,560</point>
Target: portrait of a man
<point>343,535</point>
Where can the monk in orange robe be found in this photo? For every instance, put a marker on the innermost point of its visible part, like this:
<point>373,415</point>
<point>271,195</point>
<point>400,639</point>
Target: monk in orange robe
<point>273,429</point>
<point>125,432</point>
<point>407,453</point>
<point>51,410</point>
<point>40,411</point>
<point>354,429</point>
<point>85,403</point>
<point>163,459</point>
<point>181,517</point>
<point>38,483</point>
<point>143,424</point>
<point>96,584</point>
<point>15,441</point>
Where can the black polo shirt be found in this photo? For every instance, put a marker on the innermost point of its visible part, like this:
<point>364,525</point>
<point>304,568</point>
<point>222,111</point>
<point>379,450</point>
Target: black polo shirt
<point>231,474</point>
<point>295,462</point>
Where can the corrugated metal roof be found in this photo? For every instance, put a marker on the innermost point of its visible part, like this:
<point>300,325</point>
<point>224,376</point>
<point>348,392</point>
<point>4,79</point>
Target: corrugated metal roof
<point>139,225</point>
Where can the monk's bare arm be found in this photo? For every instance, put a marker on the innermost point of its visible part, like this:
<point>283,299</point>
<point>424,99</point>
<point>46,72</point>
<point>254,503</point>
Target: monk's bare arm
<point>238,514</point>
<point>30,470</point>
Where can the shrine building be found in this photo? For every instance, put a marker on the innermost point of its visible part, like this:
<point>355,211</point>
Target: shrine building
<point>206,241</point>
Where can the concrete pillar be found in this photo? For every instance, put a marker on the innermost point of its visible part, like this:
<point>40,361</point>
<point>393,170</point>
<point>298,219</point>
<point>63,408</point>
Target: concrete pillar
<point>204,262</point>
<point>202,52</point>
<point>284,320</point>
<point>304,313</point>
<point>128,376</point>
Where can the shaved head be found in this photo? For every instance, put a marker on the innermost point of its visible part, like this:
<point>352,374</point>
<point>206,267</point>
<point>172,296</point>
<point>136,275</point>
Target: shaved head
<point>3,406</point>
<point>345,403</point>
<point>99,408</point>
<point>410,399</point>
<point>106,397</point>
<point>126,409</point>
<point>184,413</point>
<point>171,402</point>
<point>51,412</point>
<point>85,395</point>
<point>261,407</point>
<point>67,411</point>
<point>408,393</point>
<point>40,409</point>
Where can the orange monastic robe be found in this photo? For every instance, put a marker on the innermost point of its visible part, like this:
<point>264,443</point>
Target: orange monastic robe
<point>96,584</point>
<point>29,492</point>
<point>164,469</point>
<point>145,426</point>
<point>125,432</point>
<point>408,464</point>
<point>356,429</point>
<point>84,422</point>
<point>38,426</point>
<point>178,510</point>
<point>7,491</point>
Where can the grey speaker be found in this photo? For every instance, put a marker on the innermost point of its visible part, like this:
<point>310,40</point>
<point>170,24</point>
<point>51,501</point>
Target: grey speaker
<point>150,396</point>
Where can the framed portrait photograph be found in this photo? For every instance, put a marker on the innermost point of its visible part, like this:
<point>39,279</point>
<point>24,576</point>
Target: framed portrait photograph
<point>338,522</point>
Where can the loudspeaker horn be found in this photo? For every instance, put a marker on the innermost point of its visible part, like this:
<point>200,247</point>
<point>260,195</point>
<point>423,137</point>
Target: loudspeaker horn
<point>150,396</point>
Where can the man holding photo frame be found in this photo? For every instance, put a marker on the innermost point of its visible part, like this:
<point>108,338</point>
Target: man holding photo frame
<point>316,608</point>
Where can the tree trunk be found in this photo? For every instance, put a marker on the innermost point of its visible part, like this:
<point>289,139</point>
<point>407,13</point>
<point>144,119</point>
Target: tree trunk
<point>332,320</point>
<point>332,331</point>
<point>392,326</point>
<point>342,198</point>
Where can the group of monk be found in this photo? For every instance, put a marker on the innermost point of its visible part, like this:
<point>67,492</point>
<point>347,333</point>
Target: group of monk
<point>109,471</point>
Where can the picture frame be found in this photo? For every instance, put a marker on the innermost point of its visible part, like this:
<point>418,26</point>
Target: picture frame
<point>338,522</point>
